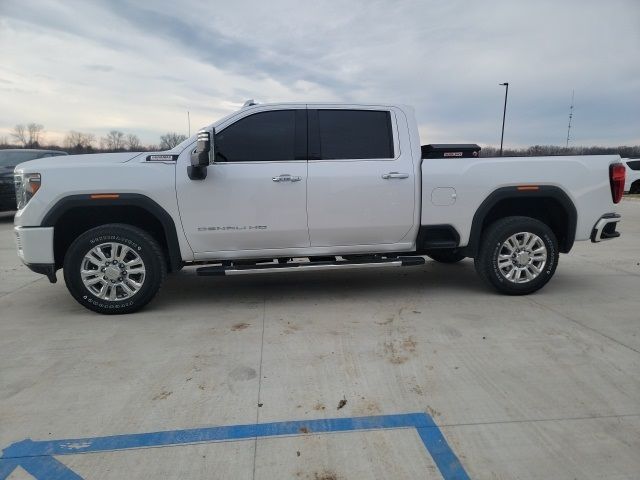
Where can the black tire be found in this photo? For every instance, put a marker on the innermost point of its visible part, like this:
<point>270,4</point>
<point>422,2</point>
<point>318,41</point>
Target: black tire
<point>486,262</point>
<point>144,245</point>
<point>446,255</point>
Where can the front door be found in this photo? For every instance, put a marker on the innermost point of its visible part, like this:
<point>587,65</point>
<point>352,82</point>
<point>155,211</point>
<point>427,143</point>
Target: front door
<point>254,196</point>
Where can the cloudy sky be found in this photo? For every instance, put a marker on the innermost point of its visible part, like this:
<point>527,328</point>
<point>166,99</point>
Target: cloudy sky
<point>138,67</point>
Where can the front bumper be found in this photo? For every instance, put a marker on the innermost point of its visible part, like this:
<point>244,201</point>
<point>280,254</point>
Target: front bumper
<point>35,244</point>
<point>605,228</point>
<point>35,249</point>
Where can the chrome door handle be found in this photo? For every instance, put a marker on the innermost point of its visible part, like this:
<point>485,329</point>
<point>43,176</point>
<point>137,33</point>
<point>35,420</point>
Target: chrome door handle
<point>389,175</point>
<point>285,177</point>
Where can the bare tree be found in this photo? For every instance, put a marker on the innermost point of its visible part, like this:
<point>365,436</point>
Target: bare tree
<point>170,140</point>
<point>79,141</point>
<point>34,130</point>
<point>4,140</point>
<point>113,141</point>
<point>133,142</point>
<point>20,134</point>
<point>87,140</point>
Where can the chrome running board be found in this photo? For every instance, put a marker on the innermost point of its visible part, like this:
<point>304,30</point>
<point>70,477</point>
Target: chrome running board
<point>308,266</point>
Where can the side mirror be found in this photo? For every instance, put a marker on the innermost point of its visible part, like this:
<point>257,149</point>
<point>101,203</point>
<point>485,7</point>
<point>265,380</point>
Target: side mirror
<point>201,158</point>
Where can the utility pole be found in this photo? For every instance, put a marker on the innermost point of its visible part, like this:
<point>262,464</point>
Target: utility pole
<point>504,112</point>
<point>570,118</point>
<point>189,123</point>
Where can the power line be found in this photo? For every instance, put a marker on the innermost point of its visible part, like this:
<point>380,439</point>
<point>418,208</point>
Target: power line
<point>570,118</point>
<point>504,112</point>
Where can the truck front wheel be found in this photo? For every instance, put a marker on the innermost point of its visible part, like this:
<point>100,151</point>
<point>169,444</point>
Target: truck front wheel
<point>518,255</point>
<point>114,268</point>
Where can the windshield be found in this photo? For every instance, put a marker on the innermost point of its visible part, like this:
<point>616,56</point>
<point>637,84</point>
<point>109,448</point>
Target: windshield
<point>12,158</point>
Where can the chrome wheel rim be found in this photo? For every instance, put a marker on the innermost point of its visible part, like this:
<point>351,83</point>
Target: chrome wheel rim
<point>112,271</point>
<point>522,257</point>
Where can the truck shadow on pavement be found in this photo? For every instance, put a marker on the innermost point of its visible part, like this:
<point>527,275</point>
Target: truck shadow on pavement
<point>433,282</point>
<point>185,287</point>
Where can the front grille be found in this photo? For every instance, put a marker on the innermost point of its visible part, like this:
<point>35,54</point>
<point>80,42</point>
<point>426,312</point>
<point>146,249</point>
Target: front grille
<point>7,187</point>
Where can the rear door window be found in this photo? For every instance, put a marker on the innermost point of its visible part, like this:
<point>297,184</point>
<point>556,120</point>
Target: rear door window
<point>355,134</point>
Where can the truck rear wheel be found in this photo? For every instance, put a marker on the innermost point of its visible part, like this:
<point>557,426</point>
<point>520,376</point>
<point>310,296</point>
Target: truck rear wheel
<point>518,255</point>
<point>114,268</point>
<point>446,255</point>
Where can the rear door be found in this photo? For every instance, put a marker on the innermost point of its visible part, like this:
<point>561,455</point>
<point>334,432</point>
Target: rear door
<point>361,182</point>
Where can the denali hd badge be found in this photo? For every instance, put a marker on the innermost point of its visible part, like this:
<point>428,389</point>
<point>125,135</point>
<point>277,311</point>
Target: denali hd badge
<point>162,158</point>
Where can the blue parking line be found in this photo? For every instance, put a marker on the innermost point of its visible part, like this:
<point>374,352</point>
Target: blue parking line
<point>37,456</point>
<point>446,461</point>
<point>39,468</point>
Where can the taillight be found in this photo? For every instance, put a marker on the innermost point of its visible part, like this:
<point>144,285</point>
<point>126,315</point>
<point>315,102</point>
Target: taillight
<point>617,174</point>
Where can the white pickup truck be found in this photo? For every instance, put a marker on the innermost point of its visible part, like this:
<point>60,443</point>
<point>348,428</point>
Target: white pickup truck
<point>295,187</point>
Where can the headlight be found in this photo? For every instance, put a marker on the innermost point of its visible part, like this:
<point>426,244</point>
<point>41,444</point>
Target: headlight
<point>27,184</point>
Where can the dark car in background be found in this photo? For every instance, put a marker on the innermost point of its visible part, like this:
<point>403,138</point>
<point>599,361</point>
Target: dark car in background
<point>8,160</point>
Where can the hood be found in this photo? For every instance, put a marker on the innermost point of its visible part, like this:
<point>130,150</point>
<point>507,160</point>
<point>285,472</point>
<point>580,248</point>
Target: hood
<point>77,160</point>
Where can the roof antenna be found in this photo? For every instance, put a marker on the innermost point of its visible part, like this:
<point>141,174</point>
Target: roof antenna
<point>249,103</point>
<point>570,117</point>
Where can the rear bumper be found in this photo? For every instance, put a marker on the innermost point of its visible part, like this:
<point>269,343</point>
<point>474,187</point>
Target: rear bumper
<point>605,228</point>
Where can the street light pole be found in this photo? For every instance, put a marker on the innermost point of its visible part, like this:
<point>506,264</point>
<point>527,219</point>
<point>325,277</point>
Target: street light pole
<point>504,112</point>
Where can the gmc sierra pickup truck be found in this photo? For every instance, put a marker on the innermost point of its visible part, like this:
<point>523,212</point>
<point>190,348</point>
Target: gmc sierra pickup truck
<point>295,187</point>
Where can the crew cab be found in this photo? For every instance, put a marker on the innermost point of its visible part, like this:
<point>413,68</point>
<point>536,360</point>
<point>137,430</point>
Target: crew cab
<point>292,187</point>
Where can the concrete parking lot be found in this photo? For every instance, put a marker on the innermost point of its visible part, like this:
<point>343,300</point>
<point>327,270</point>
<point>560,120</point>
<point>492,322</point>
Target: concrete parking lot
<point>539,387</point>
